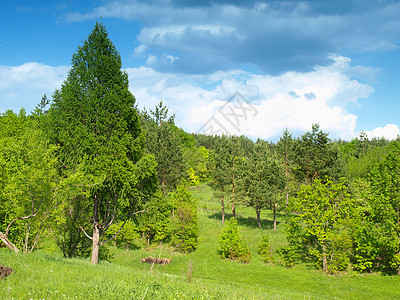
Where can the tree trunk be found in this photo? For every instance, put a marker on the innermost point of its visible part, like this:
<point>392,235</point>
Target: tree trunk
<point>233,190</point>
<point>95,247</point>
<point>234,210</point>
<point>258,218</point>
<point>274,216</point>
<point>324,260</point>
<point>223,209</point>
<point>8,244</point>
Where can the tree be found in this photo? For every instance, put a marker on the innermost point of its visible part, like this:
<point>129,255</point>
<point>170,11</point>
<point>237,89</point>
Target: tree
<point>28,181</point>
<point>261,180</point>
<point>319,229</point>
<point>314,156</point>
<point>384,199</point>
<point>220,168</point>
<point>285,148</point>
<point>94,121</point>
<point>164,142</point>
<point>232,244</point>
<point>185,228</point>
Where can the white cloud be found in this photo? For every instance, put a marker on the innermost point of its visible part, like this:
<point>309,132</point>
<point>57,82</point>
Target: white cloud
<point>24,85</point>
<point>292,100</point>
<point>390,132</point>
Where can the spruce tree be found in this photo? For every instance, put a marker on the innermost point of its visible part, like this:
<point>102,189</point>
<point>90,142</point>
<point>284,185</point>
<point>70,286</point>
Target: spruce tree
<point>94,121</point>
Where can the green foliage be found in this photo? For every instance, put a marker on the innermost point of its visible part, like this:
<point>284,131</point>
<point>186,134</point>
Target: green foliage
<point>232,244</point>
<point>127,233</point>
<point>289,255</point>
<point>154,222</point>
<point>94,120</point>
<point>185,228</point>
<point>315,156</point>
<point>265,249</point>
<point>163,140</point>
<point>261,179</point>
<point>319,226</point>
<point>29,181</point>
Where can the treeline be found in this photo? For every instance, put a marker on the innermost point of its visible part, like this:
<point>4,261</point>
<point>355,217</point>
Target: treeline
<point>341,199</point>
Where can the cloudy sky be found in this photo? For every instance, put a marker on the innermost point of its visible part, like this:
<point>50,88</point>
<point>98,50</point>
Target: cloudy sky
<point>243,67</point>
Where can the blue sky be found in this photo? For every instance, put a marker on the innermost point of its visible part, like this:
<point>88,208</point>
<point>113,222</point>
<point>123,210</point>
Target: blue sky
<point>294,63</point>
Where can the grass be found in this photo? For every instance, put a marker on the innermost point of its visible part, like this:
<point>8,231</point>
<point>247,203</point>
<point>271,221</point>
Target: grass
<point>47,275</point>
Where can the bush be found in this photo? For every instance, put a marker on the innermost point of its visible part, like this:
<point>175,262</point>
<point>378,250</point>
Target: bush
<point>265,249</point>
<point>185,229</point>
<point>289,255</point>
<point>232,244</point>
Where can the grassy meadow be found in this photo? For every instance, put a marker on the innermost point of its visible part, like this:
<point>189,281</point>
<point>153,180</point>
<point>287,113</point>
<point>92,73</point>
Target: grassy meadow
<point>45,274</point>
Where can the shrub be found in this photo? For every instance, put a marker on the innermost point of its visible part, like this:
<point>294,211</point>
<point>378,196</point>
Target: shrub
<point>185,229</point>
<point>265,249</point>
<point>232,244</point>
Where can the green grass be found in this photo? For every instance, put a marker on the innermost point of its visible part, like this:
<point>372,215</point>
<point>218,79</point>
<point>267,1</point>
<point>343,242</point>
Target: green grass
<point>47,275</point>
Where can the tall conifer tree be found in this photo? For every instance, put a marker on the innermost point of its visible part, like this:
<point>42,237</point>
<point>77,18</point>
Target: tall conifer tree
<point>94,120</point>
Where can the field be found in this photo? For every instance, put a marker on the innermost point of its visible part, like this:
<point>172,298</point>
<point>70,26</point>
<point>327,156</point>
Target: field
<point>200,275</point>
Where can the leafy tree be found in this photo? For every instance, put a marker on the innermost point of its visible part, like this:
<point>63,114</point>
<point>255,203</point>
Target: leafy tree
<point>94,121</point>
<point>319,230</point>
<point>28,181</point>
<point>384,200</point>
<point>185,228</point>
<point>232,244</point>
<point>155,222</point>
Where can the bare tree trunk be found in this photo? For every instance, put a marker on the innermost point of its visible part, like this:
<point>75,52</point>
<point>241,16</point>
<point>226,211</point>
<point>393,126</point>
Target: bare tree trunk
<point>222,205</point>
<point>274,216</point>
<point>7,243</point>
<point>223,209</point>
<point>324,260</point>
<point>233,190</point>
<point>95,247</point>
<point>258,218</point>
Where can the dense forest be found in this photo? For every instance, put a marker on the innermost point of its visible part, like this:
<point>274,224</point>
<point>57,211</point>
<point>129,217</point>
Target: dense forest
<point>87,168</point>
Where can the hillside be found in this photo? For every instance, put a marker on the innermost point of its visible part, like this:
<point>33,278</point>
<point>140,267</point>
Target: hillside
<point>45,274</point>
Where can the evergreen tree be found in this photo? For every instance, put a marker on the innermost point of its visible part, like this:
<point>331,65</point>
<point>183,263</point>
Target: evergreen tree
<point>164,142</point>
<point>94,120</point>
<point>314,156</point>
<point>261,180</point>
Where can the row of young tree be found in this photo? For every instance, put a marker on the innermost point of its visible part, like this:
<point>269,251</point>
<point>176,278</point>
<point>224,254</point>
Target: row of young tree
<point>341,199</point>
<point>92,168</point>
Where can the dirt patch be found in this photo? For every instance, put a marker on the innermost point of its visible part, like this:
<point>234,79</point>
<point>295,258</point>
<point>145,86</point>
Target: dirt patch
<point>155,260</point>
<point>4,272</point>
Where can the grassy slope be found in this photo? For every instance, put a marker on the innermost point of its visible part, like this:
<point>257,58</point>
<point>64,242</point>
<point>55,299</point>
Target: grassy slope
<point>45,275</point>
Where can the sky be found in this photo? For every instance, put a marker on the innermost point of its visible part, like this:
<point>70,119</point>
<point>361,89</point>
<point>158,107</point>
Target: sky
<point>239,67</point>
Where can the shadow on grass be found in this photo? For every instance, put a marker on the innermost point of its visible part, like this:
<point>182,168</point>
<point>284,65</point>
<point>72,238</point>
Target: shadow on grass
<point>246,221</point>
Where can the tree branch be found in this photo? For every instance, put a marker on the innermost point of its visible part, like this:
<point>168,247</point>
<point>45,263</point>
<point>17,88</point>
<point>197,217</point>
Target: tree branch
<point>85,232</point>
<point>130,215</point>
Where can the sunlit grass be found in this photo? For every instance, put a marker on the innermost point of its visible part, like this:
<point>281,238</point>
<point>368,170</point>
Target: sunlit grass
<point>48,275</point>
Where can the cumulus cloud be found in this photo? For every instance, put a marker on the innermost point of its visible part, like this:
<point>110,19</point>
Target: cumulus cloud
<point>273,36</point>
<point>291,100</point>
<point>390,132</point>
<point>24,85</point>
